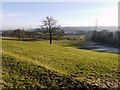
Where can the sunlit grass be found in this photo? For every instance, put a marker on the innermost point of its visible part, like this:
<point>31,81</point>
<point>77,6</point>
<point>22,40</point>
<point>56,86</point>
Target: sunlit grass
<point>59,59</point>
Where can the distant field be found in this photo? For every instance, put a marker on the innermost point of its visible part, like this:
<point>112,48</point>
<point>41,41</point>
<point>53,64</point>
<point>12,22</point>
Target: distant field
<point>37,64</point>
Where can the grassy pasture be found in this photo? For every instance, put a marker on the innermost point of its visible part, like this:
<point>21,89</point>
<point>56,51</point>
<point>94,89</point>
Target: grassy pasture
<point>37,64</point>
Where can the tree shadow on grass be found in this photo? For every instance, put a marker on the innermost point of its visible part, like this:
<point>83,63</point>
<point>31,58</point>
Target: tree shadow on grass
<point>78,44</point>
<point>88,45</point>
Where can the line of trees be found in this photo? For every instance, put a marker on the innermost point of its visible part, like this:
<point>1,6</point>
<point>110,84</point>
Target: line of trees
<point>106,37</point>
<point>20,34</point>
<point>49,29</point>
<point>38,34</point>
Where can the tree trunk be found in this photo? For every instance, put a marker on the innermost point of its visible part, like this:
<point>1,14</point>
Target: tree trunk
<point>50,37</point>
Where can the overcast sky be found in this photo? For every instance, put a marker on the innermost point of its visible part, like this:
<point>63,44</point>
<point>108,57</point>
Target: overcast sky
<point>30,14</point>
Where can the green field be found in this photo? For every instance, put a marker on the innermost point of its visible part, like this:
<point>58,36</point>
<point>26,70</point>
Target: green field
<point>37,64</point>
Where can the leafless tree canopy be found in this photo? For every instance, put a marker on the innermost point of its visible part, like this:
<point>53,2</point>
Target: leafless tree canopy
<point>50,24</point>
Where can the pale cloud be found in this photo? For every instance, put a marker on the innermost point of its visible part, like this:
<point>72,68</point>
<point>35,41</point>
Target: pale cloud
<point>107,17</point>
<point>12,19</point>
<point>102,10</point>
<point>12,14</point>
<point>59,0</point>
<point>9,23</point>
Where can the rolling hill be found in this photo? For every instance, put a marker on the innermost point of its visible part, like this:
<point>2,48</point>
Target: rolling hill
<point>39,65</point>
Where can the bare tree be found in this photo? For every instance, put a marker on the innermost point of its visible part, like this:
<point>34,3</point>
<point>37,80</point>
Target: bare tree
<point>50,24</point>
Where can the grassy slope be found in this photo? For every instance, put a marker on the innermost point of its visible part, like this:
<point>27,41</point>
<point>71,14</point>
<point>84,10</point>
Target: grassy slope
<point>40,65</point>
